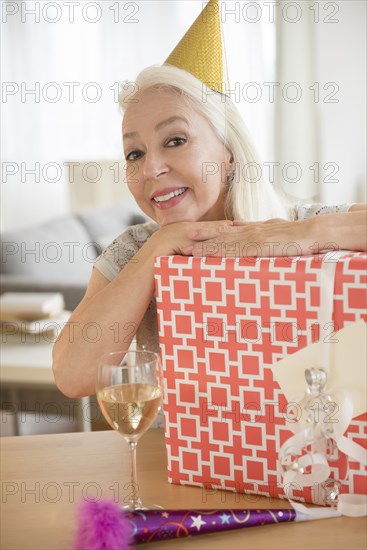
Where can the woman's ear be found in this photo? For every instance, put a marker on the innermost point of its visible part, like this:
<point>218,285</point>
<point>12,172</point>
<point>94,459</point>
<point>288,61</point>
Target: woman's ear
<point>229,157</point>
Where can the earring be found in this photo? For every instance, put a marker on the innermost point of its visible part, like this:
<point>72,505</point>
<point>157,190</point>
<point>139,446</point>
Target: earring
<point>230,178</point>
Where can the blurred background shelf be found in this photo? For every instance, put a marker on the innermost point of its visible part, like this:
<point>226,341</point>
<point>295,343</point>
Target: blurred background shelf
<point>30,401</point>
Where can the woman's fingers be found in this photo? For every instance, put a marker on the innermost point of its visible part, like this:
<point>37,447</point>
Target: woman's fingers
<point>210,230</point>
<point>178,238</point>
<point>239,238</point>
<point>272,238</point>
<point>271,221</point>
<point>241,222</point>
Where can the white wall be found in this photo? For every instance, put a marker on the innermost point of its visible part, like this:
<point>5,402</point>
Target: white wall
<point>43,132</point>
<point>342,59</point>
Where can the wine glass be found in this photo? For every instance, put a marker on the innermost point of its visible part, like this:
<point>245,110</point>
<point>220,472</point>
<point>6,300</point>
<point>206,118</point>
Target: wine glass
<point>129,391</point>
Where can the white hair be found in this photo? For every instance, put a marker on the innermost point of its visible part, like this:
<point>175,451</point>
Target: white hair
<point>249,196</point>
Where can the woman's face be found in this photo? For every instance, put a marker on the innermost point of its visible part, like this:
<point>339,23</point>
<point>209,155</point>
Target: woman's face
<point>176,165</point>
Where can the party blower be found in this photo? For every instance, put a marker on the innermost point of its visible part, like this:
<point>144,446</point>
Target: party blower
<point>104,526</point>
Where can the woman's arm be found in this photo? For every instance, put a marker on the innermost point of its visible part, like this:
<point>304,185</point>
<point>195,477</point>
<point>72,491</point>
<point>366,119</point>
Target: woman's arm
<point>104,319</point>
<point>102,322</point>
<point>340,231</point>
<point>347,230</point>
<point>358,207</point>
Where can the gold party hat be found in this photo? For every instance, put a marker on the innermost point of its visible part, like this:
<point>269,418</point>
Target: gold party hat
<point>201,52</point>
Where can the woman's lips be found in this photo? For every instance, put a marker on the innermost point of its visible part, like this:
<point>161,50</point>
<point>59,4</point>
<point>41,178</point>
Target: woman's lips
<point>166,201</point>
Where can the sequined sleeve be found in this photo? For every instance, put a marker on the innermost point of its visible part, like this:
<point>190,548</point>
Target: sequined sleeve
<point>123,249</point>
<point>304,211</point>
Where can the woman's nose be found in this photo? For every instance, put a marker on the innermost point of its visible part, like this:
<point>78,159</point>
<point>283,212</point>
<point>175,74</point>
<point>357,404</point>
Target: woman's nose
<point>154,165</point>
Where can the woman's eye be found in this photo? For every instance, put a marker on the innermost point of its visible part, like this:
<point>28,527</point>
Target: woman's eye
<point>176,141</point>
<point>134,155</point>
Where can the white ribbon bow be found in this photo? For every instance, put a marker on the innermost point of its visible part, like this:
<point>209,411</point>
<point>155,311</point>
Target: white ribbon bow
<point>320,434</point>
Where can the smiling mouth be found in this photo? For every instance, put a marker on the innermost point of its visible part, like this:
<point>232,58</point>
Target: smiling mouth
<point>169,196</point>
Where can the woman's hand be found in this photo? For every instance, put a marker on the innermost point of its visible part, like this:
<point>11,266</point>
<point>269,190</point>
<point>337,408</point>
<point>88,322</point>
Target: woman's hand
<point>178,237</point>
<point>275,237</point>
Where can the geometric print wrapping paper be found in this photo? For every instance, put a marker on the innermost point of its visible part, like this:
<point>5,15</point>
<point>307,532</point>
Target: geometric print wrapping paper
<point>222,324</point>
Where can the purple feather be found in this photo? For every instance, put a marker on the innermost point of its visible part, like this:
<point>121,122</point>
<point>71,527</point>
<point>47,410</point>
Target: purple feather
<point>102,526</point>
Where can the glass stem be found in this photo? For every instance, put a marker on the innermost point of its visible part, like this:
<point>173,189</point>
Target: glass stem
<point>134,501</point>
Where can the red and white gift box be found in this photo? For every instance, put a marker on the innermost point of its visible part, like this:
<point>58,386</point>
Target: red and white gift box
<point>223,326</point>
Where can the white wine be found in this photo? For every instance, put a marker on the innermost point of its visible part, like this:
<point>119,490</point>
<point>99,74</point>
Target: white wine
<point>130,408</point>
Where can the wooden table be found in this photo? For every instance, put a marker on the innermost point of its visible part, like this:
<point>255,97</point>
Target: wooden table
<point>44,476</point>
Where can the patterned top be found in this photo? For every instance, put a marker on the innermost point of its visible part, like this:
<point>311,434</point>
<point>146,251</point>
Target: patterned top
<point>303,211</point>
<point>122,249</point>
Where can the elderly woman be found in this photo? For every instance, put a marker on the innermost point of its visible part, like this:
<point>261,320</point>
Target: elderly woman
<point>185,161</point>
